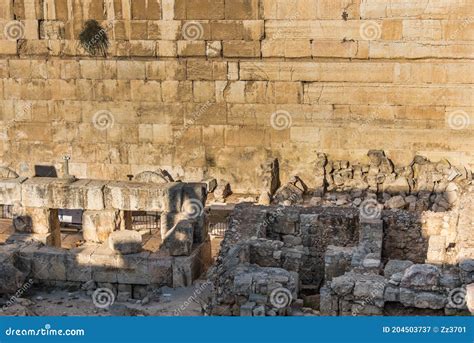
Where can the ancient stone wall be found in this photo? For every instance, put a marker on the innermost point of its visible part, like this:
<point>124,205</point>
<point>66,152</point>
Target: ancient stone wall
<point>344,261</point>
<point>217,86</point>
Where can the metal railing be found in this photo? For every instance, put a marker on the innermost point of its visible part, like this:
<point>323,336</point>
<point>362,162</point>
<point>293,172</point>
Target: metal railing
<point>142,220</point>
<point>6,212</point>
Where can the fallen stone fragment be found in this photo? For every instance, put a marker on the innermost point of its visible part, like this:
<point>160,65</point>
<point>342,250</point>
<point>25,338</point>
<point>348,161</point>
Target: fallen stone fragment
<point>125,242</point>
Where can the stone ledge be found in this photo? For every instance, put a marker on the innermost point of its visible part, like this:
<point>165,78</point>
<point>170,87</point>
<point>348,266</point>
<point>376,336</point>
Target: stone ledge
<point>101,264</point>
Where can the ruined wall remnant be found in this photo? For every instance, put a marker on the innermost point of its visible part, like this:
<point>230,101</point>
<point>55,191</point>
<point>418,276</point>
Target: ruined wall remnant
<point>196,85</point>
<point>347,261</point>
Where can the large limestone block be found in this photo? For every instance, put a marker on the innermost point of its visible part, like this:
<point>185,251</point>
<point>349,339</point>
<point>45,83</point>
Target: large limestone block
<point>98,225</point>
<point>63,193</point>
<point>134,269</point>
<point>91,194</point>
<point>243,9</point>
<point>10,191</point>
<point>421,276</point>
<point>160,269</point>
<point>173,197</point>
<point>179,240</point>
<point>78,264</point>
<point>72,194</point>
<point>50,264</point>
<point>436,249</point>
<point>105,263</point>
<point>125,242</point>
<point>134,196</point>
<point>343,285</point>
<point>396,266</point>
<point>195,193</point>
<point>430,300</point>
<point>37,191</point>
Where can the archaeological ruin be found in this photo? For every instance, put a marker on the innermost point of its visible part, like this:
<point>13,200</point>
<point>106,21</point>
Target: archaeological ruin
<point>236,157</point>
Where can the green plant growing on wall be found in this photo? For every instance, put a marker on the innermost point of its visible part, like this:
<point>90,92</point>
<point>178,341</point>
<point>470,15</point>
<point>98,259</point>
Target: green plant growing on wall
<point>94,39</point>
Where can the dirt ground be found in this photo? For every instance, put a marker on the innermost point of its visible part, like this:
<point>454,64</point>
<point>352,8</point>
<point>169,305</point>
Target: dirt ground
<point>55,302</point>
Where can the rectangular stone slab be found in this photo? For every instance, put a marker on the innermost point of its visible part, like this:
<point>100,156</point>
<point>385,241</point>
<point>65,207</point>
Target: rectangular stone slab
<point>134,196</point>
<point>63,193</point>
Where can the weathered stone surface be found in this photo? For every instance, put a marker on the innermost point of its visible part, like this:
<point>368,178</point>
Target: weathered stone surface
<point>429,300</point>
<point>396,202</point>
<point>179,240</point>
<point>63,193</point>
<point>125,242</point>
<point>470,297</point>
<point>343,285</point>
<point>392,294</point>
<point>372,287</point>
<point>49,263</point>
<point>337,261</point>
<point>98,225</point>
<point>422,276</point>
<point>407,297</point>
<point>467,270</point>
<point>11,279</point>
<point>134,196</point>
<point>288,194</point>
<point>150,177</point>
<point>396,266</point>
<point>186,269</point>
<point>10,190</point>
